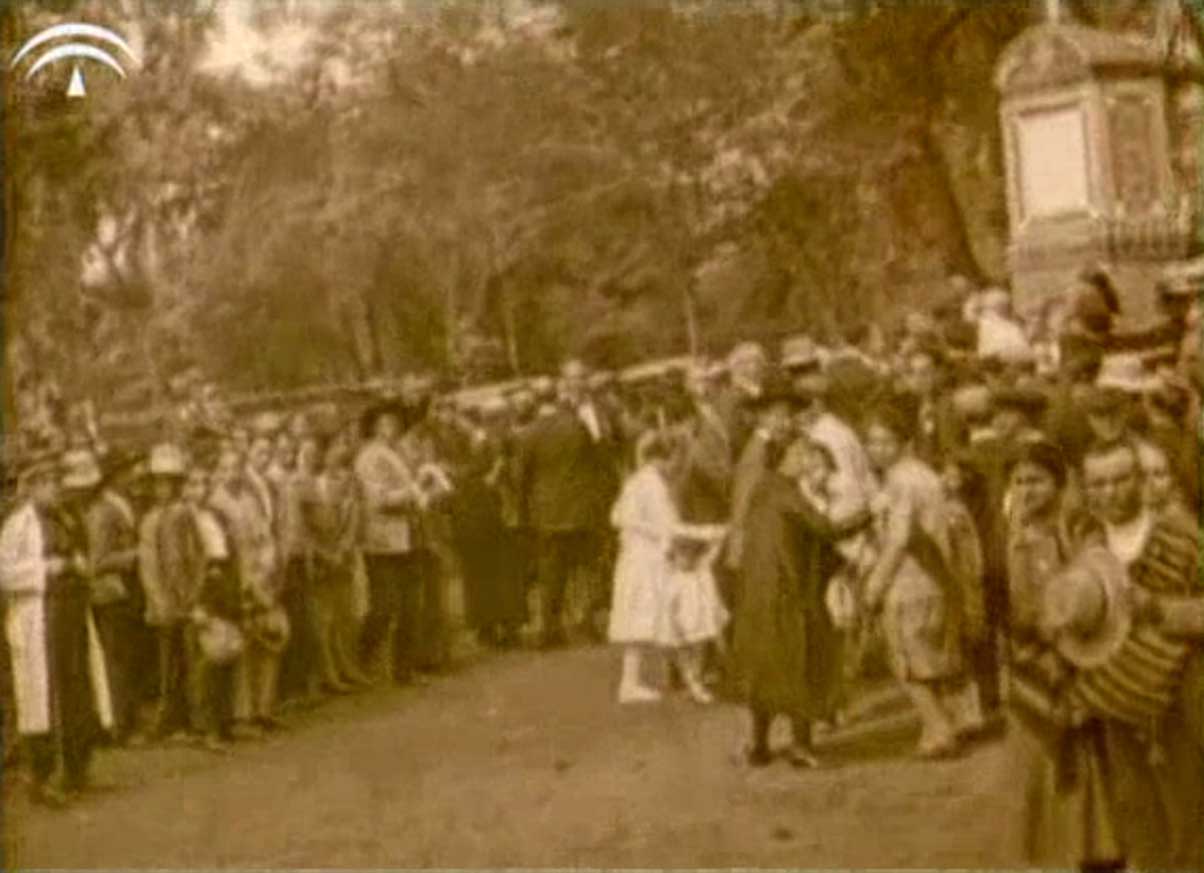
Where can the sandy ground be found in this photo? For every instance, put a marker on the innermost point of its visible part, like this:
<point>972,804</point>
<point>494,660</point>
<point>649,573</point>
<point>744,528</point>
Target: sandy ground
<point>524,760</point>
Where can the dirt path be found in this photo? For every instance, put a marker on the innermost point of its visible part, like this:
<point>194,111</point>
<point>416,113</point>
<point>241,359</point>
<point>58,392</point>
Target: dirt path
<point>522,760</point>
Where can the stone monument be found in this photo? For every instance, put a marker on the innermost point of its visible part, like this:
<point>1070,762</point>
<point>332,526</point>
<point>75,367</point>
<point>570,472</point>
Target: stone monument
<point>1101,148</point>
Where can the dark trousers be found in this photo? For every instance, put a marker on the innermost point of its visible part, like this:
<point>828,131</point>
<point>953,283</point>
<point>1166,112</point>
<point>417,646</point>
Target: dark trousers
<point>433,652</point>
<point>762,721</point>
<point>559,556</point>
<point>217,691</point>
<point>299,661</point>
<point>395,603</point>
<point>73,706</point>
<point>118,626</point>
<point>178,707</point>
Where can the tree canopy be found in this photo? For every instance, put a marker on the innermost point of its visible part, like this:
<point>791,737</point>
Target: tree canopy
<point>479,188</point>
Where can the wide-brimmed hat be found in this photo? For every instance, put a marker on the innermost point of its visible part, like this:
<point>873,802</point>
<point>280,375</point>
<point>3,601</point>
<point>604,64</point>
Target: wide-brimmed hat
<point>267,422</point>
<point>377,410</point>
<point>1086,608</point>
<point>746,351</point>
<point>168,460</point>
<point>270,629</point>
<point>799,352</point>
<point>29,465</point>
<point>117,461</point>
<point>80,469</point>
<point>995,300</point>
<point>221,641</point>
<point>1028,399</point>
<point>1184,279</point>
<point>972,401</point>
<point>1126,372</point>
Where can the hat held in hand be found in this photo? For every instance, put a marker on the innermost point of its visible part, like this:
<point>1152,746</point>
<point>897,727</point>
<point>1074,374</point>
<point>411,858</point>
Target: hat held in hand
<point>1086,610</point>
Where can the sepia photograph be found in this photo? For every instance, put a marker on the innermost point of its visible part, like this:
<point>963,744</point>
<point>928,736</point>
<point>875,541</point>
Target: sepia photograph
<point>602,434</point>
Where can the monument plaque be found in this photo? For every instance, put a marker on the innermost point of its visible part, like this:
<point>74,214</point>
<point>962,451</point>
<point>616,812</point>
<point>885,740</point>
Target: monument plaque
<point>1091,144</point>
<point>1053,163</point>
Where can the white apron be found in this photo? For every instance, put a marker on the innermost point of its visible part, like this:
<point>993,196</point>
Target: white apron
<point>23,582</point>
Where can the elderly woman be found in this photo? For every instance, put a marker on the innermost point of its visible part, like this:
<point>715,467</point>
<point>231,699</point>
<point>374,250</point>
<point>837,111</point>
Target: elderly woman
<point>911,581</point>
<point>786,648</point>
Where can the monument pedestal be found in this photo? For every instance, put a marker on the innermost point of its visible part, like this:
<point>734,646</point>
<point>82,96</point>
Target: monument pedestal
<point>1093,131</point>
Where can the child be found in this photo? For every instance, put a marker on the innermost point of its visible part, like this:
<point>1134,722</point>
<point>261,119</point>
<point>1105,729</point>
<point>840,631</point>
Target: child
<point>661,594</point>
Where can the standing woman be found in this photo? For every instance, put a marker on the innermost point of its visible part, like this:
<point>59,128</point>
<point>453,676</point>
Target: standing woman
<point>785,647</point>
<point>911,582</point>
<point>1065,821</point>
<point>333,519</point>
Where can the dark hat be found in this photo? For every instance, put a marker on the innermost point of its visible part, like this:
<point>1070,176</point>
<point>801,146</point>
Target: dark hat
<point>1026,398</point>
<point>898,411</point>
<point>117,461</point>
<point>776,389</point>
<point>1042,452</point>
<point>1102,288</point>
<point>382,407</point>
<point>1103,399</point>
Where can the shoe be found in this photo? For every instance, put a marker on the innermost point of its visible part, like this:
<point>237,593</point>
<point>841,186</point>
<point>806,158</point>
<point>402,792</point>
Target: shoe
<point>216,745</point>
<point>48,796</point>
<point>639,694</point>
<point>937,751</point>
<point>270,723</point>
<point>802,759</point>
<point>758,758</point>
<point>247,731</point>
<point>699,694</point>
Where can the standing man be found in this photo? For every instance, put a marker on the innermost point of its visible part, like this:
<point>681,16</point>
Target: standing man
<point>1155,760</point>
<point>169,554</point>
<point>255,560</point>
<point>112,528</point>
<point>747,367</point>
<point>60,683</point>
<point>392,499</point>
<point>567,472</point>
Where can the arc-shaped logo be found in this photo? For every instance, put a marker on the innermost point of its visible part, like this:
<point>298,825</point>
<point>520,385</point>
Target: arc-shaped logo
<point>74,30</point>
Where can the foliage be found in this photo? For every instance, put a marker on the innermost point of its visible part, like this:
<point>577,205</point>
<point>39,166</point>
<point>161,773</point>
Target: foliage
<point>482,188</point>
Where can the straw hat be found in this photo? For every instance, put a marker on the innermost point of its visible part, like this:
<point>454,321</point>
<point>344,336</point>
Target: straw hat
<point>1086,608</point>
<point>995,300</point>
<point>1126,372</point>
<point>799,352</point>
<point>746,352</point>
<point>80,470</point>
<point>270,629</point>
<point>220,640</point>
<point>167,459</point>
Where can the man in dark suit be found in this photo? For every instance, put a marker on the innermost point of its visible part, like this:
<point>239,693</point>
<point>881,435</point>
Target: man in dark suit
<point>567,477</point>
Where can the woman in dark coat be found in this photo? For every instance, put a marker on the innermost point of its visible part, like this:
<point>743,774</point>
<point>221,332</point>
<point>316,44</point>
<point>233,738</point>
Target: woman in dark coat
<point>785,646</point>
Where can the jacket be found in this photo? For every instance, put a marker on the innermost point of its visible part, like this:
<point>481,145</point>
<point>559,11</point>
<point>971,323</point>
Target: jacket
<point>391,497</point>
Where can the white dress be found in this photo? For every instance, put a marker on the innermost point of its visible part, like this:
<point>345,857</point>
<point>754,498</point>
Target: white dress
<point>645,517</point>
<point>655,603</point>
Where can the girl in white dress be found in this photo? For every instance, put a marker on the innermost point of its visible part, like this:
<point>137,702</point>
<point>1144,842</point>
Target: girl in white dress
<point>664,596</point>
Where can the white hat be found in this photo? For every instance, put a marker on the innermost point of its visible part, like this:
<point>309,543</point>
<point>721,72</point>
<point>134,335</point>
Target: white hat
<point>1126,372</point>
<point>167,460</point>
<point>80,469</point>
<point>800,351</point>
<point>747,351</point>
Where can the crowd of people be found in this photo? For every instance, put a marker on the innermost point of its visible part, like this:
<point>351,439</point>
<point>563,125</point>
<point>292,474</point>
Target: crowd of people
<point>1003,511</point>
